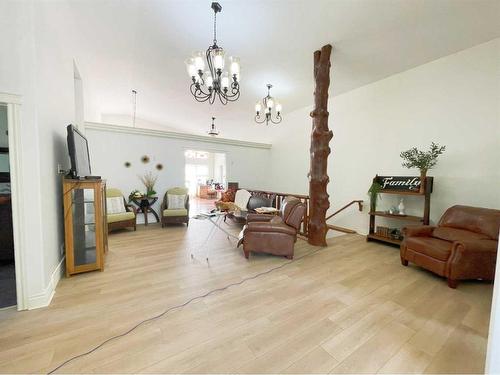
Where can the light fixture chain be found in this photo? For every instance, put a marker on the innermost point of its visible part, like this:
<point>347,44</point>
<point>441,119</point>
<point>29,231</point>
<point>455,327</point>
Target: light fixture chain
<point>134,92</point>
<point>215,28</point>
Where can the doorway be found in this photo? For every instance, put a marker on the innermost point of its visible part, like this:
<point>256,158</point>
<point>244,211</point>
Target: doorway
<point>205,177</point>
<point>8,295</point>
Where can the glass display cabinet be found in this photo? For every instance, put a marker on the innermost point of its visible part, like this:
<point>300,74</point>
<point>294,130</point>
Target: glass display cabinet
<point>85,225</point>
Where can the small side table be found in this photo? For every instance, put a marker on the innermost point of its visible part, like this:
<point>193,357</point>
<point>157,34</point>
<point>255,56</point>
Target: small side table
<point>144,204</point>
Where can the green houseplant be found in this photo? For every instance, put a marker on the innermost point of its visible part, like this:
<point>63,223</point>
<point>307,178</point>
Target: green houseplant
<point>423,160</point>
<point>374,193</point>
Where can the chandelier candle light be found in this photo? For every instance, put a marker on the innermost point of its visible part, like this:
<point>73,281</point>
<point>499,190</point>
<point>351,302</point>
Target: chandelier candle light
<point>214,82</point>
<point>213,129</point>
<point>268,102</point>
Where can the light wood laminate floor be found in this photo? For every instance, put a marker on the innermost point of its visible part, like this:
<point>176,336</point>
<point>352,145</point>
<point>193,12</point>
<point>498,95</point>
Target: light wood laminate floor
<point>348,308</point>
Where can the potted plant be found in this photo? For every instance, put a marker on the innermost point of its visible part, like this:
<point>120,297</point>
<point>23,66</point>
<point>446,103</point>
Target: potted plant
<point>149,181</point>
<point>374,192</point>
<point>423,160</point>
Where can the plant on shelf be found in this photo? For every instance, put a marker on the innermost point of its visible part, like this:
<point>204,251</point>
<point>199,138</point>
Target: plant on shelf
<point>149,181</point>
<point>374,192</point>
<point>423,160</point>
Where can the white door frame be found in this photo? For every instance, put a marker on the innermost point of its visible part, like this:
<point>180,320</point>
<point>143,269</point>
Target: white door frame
<point>13,103</point>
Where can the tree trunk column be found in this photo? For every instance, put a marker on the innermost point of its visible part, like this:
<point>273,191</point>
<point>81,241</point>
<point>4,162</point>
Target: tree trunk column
<point>320,149</point>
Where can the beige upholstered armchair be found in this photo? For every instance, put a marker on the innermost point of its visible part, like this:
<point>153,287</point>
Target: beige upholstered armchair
<point>175,206</point>
<point>119,213</point>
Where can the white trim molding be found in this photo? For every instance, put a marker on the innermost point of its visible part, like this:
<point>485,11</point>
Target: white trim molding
<point>13,103</point>
<point>44,298</point>
<point>10,98</point>
<point>173,135</point>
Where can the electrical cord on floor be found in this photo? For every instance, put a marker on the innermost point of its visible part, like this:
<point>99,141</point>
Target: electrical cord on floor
<point>221,289</point>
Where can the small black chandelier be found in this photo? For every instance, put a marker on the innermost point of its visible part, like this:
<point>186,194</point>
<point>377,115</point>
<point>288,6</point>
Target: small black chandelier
<point>213,129</point>
<point>214,82</point>
<point>268,102</point>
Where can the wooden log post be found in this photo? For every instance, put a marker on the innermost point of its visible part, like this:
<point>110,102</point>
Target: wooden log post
<point>320,149</point>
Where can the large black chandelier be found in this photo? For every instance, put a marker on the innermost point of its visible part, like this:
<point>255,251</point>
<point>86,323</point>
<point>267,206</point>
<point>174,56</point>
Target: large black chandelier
<point>214,82</point>
<point>268,103</point>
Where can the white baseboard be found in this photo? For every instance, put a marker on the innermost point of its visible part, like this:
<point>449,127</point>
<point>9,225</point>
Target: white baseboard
<point>44,298</point>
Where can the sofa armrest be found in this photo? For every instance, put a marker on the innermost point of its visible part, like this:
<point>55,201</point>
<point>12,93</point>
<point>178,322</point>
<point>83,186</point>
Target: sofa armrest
<point>472,259</point>
<point>475,246</point>
<point>259,217</point>
<point>418,230</point>
<point>270,227</point>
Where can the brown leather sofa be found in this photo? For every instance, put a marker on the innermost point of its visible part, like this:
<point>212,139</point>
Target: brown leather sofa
<point>462,246</point>
<point>273,234</point>
<point>255,201</point>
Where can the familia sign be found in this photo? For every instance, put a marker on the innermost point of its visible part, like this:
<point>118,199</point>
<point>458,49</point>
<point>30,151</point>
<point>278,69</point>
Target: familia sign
<point>401,183</point>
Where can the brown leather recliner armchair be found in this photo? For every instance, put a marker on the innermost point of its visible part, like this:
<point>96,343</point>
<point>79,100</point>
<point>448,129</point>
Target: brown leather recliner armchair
<point>274,234</point>
<point>462,246</point>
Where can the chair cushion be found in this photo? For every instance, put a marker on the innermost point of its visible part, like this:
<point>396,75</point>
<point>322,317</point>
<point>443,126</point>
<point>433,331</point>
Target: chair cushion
<point>113,218</point>
<point>433,247</point>
<point>175,212</point>
<point>474,219</point>
<point>177,191</point>
<point>176,201</point>
<point>113,192</point>
<point>115,205</point>
<point>454,234</point>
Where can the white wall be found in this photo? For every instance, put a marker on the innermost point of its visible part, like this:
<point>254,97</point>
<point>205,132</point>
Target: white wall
<point>39,67</point>
<point>55,109</point>
<point>17,72</point>
<point>109,151</point>
<point>453,101</point>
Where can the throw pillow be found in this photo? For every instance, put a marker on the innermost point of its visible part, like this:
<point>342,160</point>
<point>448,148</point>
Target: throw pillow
<point>228,196</point>
<point>115,205</point>
<point>241,199</point>
<point>176,202</point>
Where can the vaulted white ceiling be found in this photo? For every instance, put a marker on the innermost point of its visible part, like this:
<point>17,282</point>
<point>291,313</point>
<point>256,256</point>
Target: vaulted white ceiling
<point>142,45</point>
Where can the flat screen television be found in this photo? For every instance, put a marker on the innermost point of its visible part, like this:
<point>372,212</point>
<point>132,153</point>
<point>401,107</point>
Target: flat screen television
<point>78,148</point>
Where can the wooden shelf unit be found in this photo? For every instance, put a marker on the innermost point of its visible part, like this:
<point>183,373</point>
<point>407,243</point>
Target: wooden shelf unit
<point>400,217</point>
<point>424,219</point>
<point>85,225</point>
<point>373,236</point>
